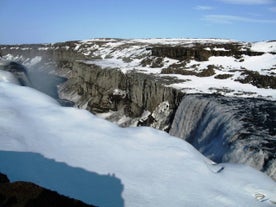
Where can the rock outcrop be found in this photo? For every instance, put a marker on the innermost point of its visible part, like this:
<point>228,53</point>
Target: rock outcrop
<point>25,194</point>
<point>101,91</point>
<point>200,53</point>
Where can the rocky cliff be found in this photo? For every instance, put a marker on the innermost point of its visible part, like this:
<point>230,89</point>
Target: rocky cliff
<point>200,53</point>
<point>130,95</point>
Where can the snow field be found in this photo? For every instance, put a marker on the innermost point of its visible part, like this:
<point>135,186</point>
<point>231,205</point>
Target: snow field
<point>155,168</point>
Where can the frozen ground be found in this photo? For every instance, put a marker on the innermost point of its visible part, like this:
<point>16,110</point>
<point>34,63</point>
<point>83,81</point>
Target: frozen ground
<point>128,55</point>
<point>154,168</point>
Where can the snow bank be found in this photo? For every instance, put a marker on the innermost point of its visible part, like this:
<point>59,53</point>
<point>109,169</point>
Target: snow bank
<point>154,168</point>
<point>8,77</point>
<point>228,87</point>
<point>267,46</point>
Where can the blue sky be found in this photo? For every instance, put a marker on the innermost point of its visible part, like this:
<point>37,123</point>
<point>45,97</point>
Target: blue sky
<point>43,21</point>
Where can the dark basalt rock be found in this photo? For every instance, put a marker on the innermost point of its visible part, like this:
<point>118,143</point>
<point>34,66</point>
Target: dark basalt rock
<point>95,87</point>
<point>258,80</point>
<point>199,53</point>
<point>223,76</point>
<point>25,194</point>
<point>181,53</point>
<point>204,73</point>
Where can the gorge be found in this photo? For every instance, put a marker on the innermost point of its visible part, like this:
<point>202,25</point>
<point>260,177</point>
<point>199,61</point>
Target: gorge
<point>156,83</point>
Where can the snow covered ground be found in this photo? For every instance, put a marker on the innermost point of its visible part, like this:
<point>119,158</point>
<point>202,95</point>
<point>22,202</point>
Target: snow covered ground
<point>155,169</point>
<point>128,54</point>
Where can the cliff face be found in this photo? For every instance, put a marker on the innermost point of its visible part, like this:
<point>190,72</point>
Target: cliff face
<point>132,94</point>
<point>199,52</point>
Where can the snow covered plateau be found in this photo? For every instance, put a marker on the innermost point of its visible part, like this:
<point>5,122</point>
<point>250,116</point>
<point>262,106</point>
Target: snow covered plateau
<point>217,95</point>
<point>220,66</point>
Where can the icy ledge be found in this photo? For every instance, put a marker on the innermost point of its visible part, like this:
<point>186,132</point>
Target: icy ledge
<point>154,168</point>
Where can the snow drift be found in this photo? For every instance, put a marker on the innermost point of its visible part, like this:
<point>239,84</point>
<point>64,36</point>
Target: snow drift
<point>154,168</point>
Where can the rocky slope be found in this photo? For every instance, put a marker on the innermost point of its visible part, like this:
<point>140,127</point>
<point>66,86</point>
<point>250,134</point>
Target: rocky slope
<point>131,97</point>
<point>142,82</point>
<point>25,194</point>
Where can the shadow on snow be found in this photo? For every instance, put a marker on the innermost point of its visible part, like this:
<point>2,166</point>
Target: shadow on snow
<point>89,187</point>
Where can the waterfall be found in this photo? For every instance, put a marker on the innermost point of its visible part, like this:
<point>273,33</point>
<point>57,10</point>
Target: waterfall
<point>229,129</point>
<point>208,125</point>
